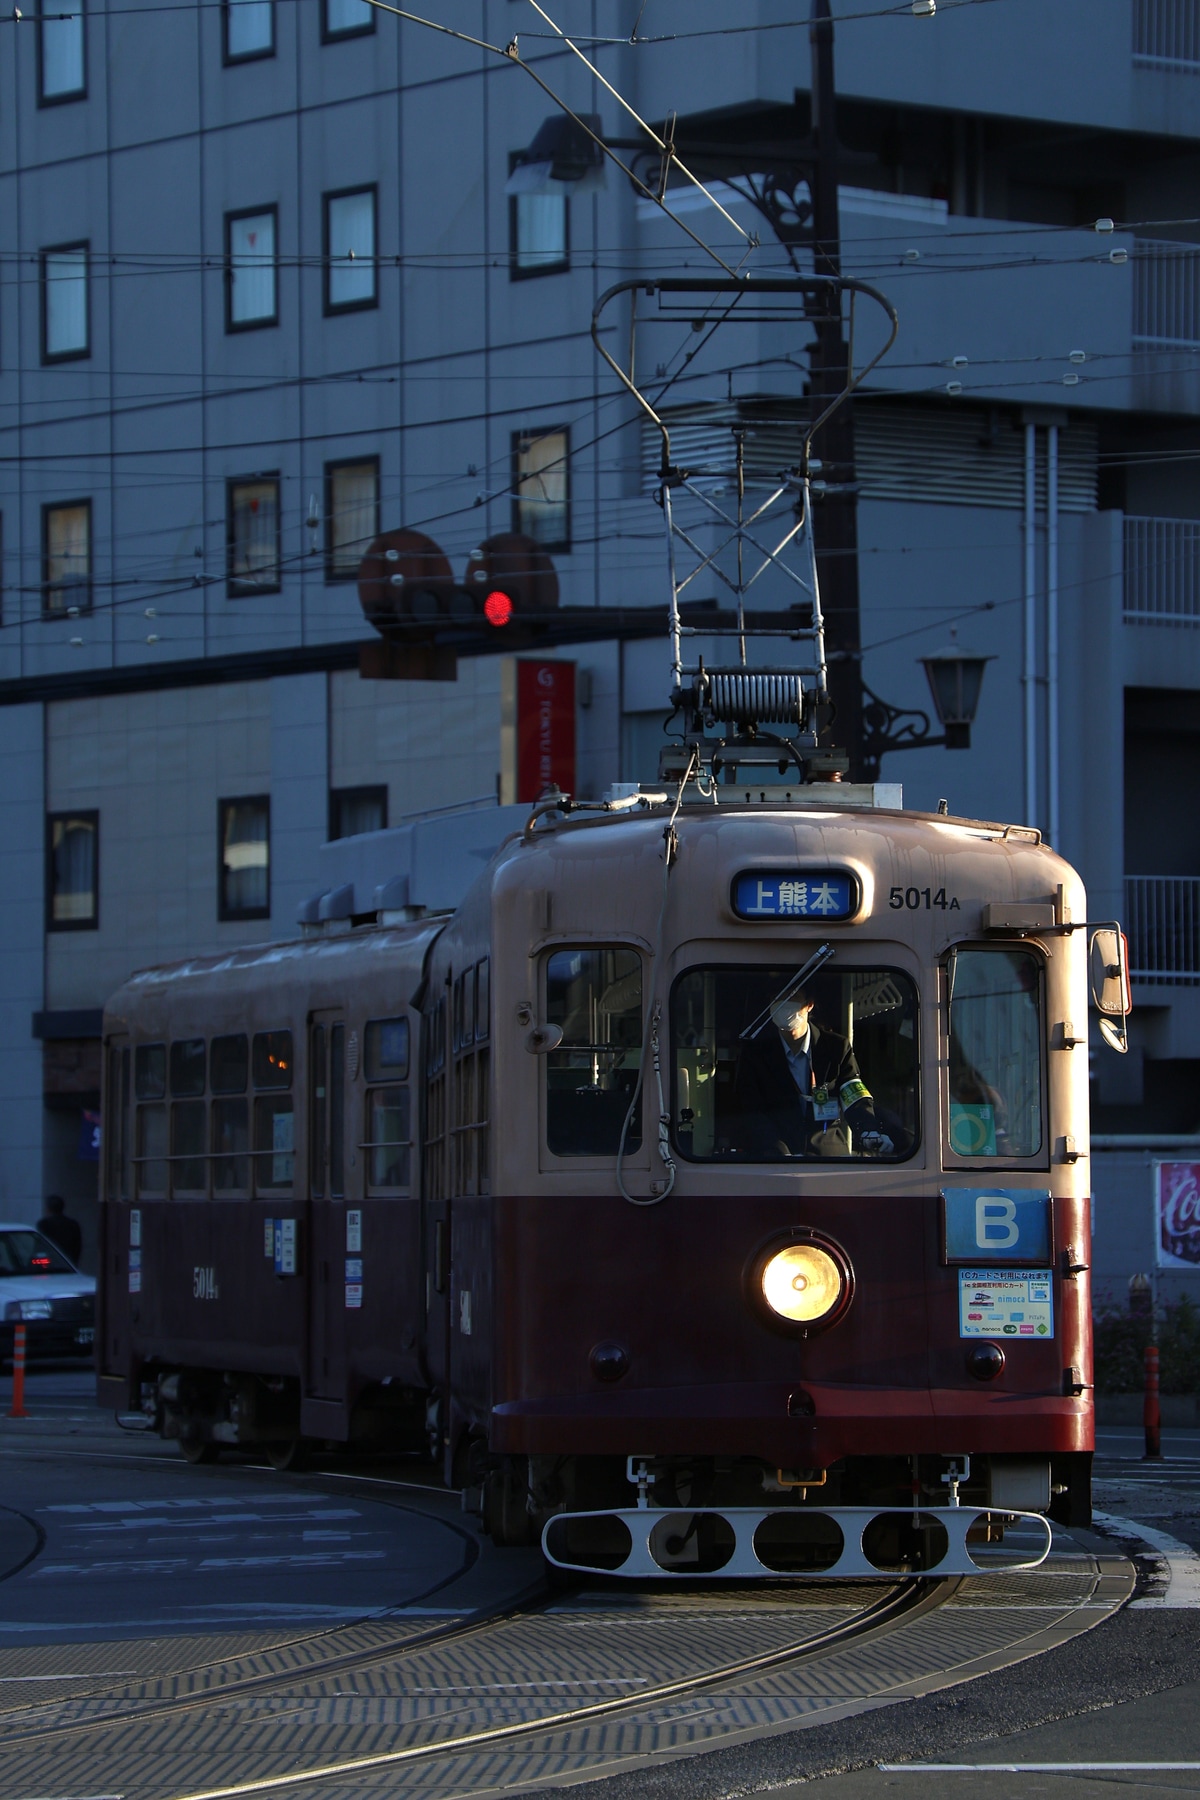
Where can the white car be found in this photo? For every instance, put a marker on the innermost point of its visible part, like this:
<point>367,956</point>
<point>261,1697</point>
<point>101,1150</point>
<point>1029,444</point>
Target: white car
<point>45,1292</point>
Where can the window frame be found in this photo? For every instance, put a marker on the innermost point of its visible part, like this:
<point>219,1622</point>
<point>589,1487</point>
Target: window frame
<point>1042,1157</point>
<point>230,59</point>
<point>377,791</point>
<point>918,1152</point>
<point>333,308</point>
<point>231,915</point>
<point>332,576</point>
<point>92,815</point>
<point>515,271</point>
<point>51,357</point>
<point>264,321</point>
<point>520,441</point>
<point>238,587</point>
<point>68,95</point>
<point>329,36</point>
<point>85,588</point>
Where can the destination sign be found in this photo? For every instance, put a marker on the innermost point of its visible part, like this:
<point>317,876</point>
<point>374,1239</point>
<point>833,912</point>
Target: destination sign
<point>821,894</point>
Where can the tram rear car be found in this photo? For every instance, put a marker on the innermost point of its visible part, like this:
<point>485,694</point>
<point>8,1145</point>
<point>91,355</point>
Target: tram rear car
<point>836,1274</point>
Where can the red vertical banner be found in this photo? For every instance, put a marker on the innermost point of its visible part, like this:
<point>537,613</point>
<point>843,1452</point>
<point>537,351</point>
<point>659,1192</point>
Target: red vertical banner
<point>545,728</point>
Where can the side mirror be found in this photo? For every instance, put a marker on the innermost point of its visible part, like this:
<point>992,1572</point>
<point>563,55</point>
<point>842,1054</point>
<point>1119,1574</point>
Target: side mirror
<point>542,1039</point>
<point>1108,967</point>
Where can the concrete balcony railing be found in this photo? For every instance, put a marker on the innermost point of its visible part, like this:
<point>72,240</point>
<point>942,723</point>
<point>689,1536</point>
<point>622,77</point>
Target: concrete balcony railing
<point>1166,295</point>
<point>1162,922</point>
<point>1166,34</point>
<point>1162,571</point>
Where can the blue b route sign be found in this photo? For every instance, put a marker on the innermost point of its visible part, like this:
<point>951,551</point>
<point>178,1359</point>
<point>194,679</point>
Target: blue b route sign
<point>820,894</point>
<point>997,1225</point>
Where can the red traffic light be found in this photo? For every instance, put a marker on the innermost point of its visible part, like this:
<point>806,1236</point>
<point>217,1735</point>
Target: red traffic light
<point>497,608</point>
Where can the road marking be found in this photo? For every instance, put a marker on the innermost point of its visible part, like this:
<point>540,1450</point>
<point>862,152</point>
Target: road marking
<point>79,1675</point>
<point>1183,1564</point>
<point>1040,1768</point>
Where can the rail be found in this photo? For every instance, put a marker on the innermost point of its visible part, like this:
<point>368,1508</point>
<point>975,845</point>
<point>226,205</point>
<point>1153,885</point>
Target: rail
<point>1163,924</point>
<point>1162,571</point>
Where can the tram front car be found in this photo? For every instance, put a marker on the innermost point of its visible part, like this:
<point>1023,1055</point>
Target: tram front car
<point>831,1314</point>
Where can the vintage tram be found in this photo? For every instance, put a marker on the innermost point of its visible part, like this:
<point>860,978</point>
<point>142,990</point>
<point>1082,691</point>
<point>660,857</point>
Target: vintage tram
<point>556,1180</point>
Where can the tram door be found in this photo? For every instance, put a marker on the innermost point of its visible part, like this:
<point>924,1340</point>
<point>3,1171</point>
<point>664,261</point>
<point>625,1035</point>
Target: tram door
<point>327,1205</point>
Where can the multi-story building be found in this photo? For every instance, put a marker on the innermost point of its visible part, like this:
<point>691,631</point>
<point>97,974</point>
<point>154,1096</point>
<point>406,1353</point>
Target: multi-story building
<point>266,290</point>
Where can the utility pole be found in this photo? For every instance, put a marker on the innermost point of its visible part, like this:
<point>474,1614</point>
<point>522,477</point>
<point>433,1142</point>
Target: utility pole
<point>835,513</point>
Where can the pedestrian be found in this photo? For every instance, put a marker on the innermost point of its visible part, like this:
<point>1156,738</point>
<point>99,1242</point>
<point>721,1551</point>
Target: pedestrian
<point>57,1224</point>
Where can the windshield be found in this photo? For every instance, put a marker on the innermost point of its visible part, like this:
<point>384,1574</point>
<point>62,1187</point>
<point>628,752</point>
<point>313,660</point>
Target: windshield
<point>995,1053</point>
<point>830,1072</point>
<point>29,1253</point>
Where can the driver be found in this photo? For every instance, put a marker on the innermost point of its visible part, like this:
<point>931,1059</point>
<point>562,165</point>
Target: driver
<point>803,1084</point>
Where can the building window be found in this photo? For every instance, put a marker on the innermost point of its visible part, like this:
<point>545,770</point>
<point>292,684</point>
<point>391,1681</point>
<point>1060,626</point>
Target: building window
<point>541,494</point>
<point>251,298</point>
<point>538,234</point>
<point>73,871</point>
<point>253,536</point>
<point>249,29</point>
<point>65,302</point>
<point>62,65</point>
<point>357,809</point>
<point>345,18</point>
<point>244,833</point>
<point>66,558</point>
<point>351,515</point>
<point>350,271</point>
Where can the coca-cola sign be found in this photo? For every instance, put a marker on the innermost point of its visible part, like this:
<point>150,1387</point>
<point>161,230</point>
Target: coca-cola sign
<point>1179,1215</point>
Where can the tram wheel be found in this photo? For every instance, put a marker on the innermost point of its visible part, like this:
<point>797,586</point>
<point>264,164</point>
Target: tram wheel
<point>291,1453</point>
<point>197,1450</point>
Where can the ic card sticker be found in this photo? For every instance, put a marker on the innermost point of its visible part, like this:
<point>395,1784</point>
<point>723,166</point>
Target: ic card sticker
<point>354,1294</point>
<point>354,1229</point>
<point>1006,1303</point>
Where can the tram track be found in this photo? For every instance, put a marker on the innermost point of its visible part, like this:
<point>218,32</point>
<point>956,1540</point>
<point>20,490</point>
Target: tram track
<point>314,1726</point>
<point>910,1598</point>
<point>535,1688</point>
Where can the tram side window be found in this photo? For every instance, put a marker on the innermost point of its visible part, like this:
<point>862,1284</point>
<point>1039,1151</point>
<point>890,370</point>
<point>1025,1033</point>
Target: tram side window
<point>228,1074</point>
<point>274,1119</point>
<point>188,1116</point>
<point>595,998</point>
<point>995,1062</point>
<point>150,1130</point>
<point>768,1072</point>
<point>388,1127</point>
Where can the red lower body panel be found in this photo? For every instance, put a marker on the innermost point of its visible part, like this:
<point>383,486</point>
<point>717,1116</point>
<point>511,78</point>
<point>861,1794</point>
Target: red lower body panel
<point>752,1419</point>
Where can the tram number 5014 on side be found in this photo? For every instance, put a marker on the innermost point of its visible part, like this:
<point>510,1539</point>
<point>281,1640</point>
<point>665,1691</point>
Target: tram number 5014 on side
<point>918,899</point>
<point>204,1284</point>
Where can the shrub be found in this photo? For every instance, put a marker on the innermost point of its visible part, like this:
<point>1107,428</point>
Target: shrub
<point>1120,1343</point>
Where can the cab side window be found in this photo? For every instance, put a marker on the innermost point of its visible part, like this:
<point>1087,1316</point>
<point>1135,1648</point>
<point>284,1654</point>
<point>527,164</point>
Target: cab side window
<point>995,1106</point>
<point>594,996</point>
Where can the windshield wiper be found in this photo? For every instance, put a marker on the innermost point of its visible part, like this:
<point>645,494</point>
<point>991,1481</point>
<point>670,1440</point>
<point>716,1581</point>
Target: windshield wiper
<point>816,961</point>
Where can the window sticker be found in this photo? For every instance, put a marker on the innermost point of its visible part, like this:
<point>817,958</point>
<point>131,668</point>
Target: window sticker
<point>1005,1304</point>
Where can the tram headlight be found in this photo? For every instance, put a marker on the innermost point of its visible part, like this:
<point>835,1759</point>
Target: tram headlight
<point>803,1284</point>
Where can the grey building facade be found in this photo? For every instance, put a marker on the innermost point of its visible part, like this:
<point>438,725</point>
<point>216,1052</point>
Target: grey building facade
<point>264,292</point>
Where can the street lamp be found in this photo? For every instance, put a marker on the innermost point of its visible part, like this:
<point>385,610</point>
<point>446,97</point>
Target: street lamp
<point>955,678</point>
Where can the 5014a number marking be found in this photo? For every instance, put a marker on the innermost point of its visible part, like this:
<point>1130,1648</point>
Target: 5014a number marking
<point>922,899</point>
